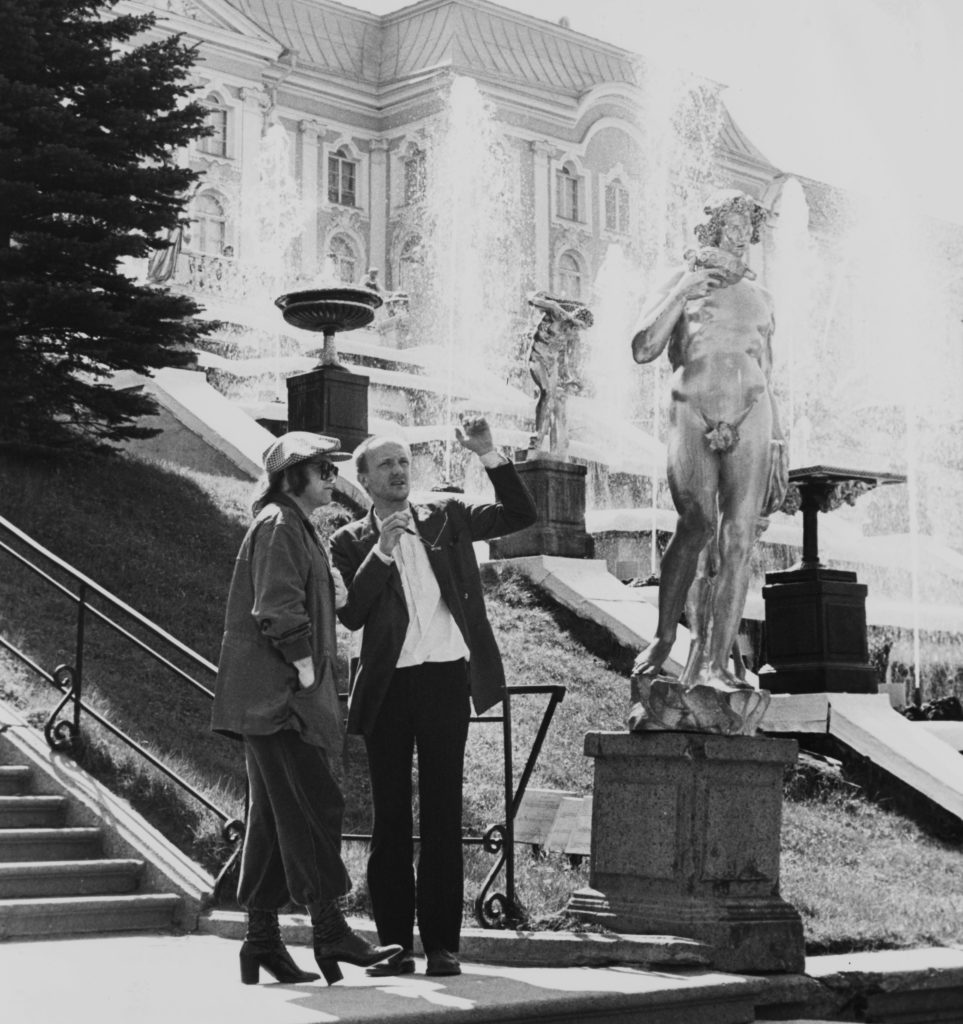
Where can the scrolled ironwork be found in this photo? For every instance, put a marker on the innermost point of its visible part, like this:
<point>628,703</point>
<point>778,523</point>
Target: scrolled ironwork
<point>498,911</point>
<point>494,839</point>
<point>232,831</point>
<point>63,734</point>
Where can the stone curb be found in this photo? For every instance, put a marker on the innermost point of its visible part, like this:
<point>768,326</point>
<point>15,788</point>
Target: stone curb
<point>515,948</point>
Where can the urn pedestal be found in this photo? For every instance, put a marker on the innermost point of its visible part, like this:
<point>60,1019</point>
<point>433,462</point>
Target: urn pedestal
<point>816,640</point>
<point>330,400</point>
<point>557,487</point>
<point>685,841</point>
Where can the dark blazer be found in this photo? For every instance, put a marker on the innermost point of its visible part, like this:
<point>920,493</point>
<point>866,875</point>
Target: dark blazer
<point>280,608</point>
<point>376,599</point>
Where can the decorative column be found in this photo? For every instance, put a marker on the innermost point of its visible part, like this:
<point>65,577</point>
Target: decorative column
<point>378,206</point>
<point>252,128</point>
<point>686,840</point>
<point>310,130</point>
<point>541,200</point>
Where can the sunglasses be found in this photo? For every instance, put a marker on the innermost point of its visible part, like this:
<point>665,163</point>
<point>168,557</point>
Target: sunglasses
<point>326,470</point>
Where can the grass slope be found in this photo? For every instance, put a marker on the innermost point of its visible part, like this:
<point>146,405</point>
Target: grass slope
<point>164,540</point>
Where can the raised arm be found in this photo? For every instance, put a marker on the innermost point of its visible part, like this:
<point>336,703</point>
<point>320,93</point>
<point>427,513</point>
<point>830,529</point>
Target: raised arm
<point>542,300</point>
<point>661,314</point>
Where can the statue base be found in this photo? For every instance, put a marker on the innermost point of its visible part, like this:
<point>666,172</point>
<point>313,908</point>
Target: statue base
<point>686,840</point>
<point>330,400</point>
<point>557,487</point>
<point>664,704</point>
<point>816,638</point>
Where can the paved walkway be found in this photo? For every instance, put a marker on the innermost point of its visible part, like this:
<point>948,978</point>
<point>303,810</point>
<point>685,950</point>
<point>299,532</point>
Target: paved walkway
<point>158,979</point>
<point>194,979</point>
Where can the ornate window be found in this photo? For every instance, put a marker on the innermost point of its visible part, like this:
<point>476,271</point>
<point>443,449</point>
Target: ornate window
<point>414,176</point>
<point>342,175</point>
<point>617,207</point>
<point>344,258</point>
<point>570,276</point>
<point>216,143</point>
<point>409,265</point>
<point>207,225</point>
<point>569,193</point>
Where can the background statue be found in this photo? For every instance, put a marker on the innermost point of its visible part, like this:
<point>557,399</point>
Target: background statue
<point>551,359</point>
<point>727,468</point>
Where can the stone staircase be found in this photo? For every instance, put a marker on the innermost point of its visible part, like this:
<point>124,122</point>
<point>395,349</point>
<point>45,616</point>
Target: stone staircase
<point>76,859</point>
<point>55,879</point>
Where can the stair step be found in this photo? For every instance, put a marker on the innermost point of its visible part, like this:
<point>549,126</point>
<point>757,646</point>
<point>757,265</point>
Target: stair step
<point>69,878</point>
<point>32,811</point>
<point>21,844</point>
<point>13,779</point>
<point>55,916</point>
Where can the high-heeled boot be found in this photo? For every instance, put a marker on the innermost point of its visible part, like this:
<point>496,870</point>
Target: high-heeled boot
<point>334,941</point>
<point>263,948</point>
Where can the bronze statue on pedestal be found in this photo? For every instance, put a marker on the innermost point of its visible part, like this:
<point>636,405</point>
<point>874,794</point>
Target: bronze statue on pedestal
<point>727,469</point>
<point>551,360</point>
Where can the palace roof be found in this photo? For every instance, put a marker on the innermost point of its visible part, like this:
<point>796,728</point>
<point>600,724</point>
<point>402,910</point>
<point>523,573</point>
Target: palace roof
<point>469,36</point>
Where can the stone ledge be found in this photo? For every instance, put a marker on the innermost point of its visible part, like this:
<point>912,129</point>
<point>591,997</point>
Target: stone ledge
<point>517,948</point>
<point>922,986</point>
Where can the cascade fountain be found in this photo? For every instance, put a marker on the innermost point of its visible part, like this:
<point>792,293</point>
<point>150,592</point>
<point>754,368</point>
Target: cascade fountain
<point>469,304</point>
<point>847,298</point>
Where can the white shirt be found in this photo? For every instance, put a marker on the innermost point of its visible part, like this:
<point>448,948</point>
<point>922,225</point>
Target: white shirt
<point>433,635</point>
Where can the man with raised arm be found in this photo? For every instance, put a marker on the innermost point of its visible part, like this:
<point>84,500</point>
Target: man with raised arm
<point>427,646</point>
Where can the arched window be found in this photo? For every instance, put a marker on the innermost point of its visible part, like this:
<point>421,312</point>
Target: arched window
<point>216,142</point>
<point>569,188</point>
<point>207,225</point>
<point>344,258</point>
<point>414,176</point>
<point>342,175</point>
<point>569,276</point>
<point>617,207</point>
<point>409,265</point>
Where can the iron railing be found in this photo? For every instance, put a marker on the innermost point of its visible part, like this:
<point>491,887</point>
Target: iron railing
<point>492,909</point>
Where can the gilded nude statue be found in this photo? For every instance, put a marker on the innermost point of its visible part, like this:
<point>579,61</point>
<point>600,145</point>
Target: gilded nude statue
<point>727,468</point>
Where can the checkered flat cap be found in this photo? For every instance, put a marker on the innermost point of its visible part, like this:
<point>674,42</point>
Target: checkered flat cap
<point>299,446</point>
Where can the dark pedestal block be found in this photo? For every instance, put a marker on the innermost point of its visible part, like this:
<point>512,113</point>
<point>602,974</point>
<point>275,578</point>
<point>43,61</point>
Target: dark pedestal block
<point>816,633</point>
<point>686,841</point>
<point>558,489</point>
<point>330,400</point>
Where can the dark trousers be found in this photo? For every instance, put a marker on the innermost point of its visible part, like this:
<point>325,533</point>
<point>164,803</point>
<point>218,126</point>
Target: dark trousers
<point>426,707</point>
<point>292,846</point>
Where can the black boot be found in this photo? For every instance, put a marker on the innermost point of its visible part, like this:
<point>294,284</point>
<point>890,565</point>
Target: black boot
<point>334,941</point>
<point>263,948</point>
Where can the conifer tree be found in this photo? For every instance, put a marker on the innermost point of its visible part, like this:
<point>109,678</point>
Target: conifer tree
<point>91,117</point>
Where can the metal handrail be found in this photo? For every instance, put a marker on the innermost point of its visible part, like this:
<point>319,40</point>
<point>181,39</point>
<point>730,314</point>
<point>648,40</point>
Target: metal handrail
<point>495,910</point>
<point>63,734</point>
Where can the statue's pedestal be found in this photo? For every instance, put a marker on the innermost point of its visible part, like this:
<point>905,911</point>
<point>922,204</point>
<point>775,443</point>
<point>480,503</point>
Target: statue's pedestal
<point>685,841</point>
<point>816,633</point>
<point>330,400</point>
<point>557,487</point>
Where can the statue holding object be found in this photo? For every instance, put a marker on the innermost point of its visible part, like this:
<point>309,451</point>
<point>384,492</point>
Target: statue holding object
<point>727,469</point>
<point>551,359</point>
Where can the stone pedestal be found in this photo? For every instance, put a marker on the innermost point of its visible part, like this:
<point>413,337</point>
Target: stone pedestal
<point>558,489</point>
<point>816,633</point>
<point>685,841</point>
<point>330,400</point>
